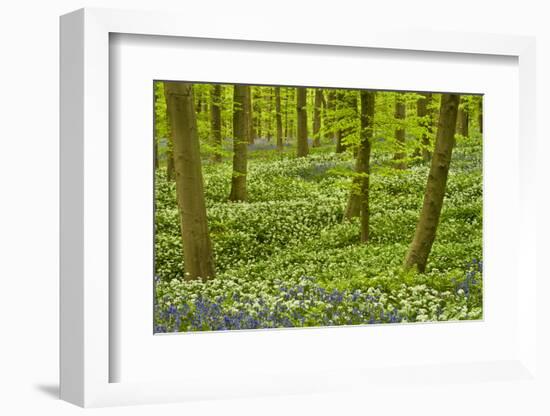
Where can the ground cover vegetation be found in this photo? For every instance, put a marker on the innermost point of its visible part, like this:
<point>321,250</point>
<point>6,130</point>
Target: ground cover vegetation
<point>293,207</point>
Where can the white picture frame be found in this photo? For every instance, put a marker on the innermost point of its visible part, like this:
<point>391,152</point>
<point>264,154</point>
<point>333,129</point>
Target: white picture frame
<point>86,356</point>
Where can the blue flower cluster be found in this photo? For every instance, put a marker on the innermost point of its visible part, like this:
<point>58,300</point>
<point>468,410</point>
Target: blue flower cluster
<point>473,268</point>
<point>303,305</point>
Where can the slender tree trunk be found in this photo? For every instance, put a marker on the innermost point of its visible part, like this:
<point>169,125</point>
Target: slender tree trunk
<point>170,169</point>
<point>400,155</point>
<point>426,228</point>
<point>197,248</point>
<point>338,133</point>
<point>291,105</point>
<point>241,130</point>
<point>463,120</point>
<point>425,118</point>
<point>278,118</point>
<point>252,132</point>
<point>269,115</point>
<point>301,114</point>
<point>358,201</point>
<point>317,117</point>
<point>256,112</point>
<point>216,120</point>
<point>480,115</point>
<point>363,157</point>
<point>156,153</point>
<point>285,132</point>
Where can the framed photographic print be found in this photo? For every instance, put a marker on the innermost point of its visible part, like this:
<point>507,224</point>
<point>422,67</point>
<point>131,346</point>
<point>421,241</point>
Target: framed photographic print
<point>286,213</point>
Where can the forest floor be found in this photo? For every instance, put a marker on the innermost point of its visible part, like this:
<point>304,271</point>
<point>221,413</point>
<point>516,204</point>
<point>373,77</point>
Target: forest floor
<point>286,258</point>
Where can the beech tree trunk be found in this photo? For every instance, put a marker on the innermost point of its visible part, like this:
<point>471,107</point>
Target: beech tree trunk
<point>216,121</point>
<point>426,228</point>
<point>257,103</point>
<point>317,117</point>
<point>252,131</point>
<point>358,204</point>
<point>287,109</point>
<point>301,115</point>
<point>400,155</point>
<point>269,120</point>
<point>363,158</point>
<point>278,118</point>
<point>338,133</point>
<point>197,248</point>
<point>170,170</point>
<point>156,153</point>
<point>241,130</point>
<point>480,115</point>
<point>463,120</point>
<point>290,113</point>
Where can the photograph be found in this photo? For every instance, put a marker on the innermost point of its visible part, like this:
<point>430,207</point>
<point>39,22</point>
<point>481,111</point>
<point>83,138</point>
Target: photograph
<point>301,206</point>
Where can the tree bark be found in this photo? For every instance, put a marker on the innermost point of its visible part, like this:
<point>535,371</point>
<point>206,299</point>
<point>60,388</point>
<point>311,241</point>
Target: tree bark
<point>278,118</point>
<point>290,113</point>
<point>317,117</point>
<point>252,131</point>
<point>256,112</point>
<point>216,120</point>
<point>463,120</point>
<point>426,228</point>
<point>156,153</point>
<point>400,155</point>
<point>338,133</point>
<point>363,158</point>
<point>358,201</point>
<point>480,115</point>
<point>197,248</point>
<point>241,130</point>
<point>170,169</point>
<point>301,114</point>
<point>269,126</point>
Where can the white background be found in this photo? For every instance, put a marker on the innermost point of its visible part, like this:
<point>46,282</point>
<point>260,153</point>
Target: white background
<point>29,178</point>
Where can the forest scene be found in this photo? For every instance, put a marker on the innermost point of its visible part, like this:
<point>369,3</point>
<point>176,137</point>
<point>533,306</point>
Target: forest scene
<point>285,206</point>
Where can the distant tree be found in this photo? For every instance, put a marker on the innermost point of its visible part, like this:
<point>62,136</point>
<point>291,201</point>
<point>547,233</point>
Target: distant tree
<point>241,130</point>
<point>358,200</point>
<point>317,117</point>
<point>251,117</point>
<point>463,118</point>
<point>301,115</point>
<point>170,168</point>
<point>425,120</point>
<point>256,112</point>
<point>197,248</point>
<point>480,114</point>
<point>291,100</point>
<point>400,155</point>
<point>426,228</point>
<point>216,121</point>
<point>363,158</point>
<point>269,113</point>
<point>278,118</point>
